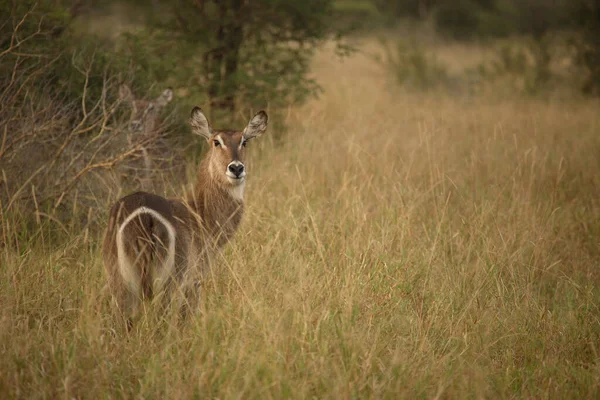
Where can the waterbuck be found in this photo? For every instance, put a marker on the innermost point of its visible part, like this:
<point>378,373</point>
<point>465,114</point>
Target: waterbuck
<point>155,245</point>
<point>144,124</point>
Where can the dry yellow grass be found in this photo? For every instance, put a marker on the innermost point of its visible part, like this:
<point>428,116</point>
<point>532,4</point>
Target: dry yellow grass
<point>396,246</point>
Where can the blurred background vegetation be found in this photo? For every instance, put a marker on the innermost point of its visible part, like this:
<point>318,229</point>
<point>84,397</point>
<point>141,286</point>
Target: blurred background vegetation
<point>62,61</point>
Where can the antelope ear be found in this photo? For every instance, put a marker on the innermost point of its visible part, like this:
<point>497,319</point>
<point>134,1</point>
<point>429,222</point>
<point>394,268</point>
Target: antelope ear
<point>256,126</point>
<point>125,93</point>
<point>165,97</point>
<point>199,123</point>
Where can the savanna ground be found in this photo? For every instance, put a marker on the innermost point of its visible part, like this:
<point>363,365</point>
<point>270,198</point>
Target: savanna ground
<point>396,245</point>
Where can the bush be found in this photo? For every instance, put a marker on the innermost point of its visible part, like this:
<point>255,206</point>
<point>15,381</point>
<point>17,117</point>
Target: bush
<point>463,19</point>
<point>527,64</point>
<point>538,21</point>
<point>413,67</point>
<point>64,127</point>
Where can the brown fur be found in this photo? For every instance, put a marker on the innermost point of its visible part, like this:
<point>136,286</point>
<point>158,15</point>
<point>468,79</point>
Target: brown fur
<point>203,221</point>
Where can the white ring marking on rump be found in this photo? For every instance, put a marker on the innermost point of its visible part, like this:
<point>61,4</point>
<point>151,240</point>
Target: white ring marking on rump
<point>130,276</point>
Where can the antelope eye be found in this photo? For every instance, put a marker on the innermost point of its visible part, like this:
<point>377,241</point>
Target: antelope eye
<point>244,143</point>
<point>217,143</point>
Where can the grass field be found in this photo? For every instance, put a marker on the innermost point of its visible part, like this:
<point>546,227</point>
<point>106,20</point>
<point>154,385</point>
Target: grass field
<point>396,245</point>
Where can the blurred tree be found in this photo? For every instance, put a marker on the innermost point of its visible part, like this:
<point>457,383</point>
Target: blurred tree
<point>458,19</point>
<point>472,18</point>
<point>36,33</point>
<point>251,51</point>
<point>587,18</point>
<point>406,8</point>
<point>423,8</point>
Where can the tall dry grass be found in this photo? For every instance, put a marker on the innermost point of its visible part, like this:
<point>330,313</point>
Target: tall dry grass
<point>396,245</point>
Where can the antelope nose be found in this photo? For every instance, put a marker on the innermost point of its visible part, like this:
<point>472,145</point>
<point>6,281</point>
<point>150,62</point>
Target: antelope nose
<point>236,169</point>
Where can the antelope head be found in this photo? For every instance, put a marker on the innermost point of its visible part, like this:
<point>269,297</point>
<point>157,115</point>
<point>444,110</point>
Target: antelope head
<point>144,113</point>
<point>227,148</point>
